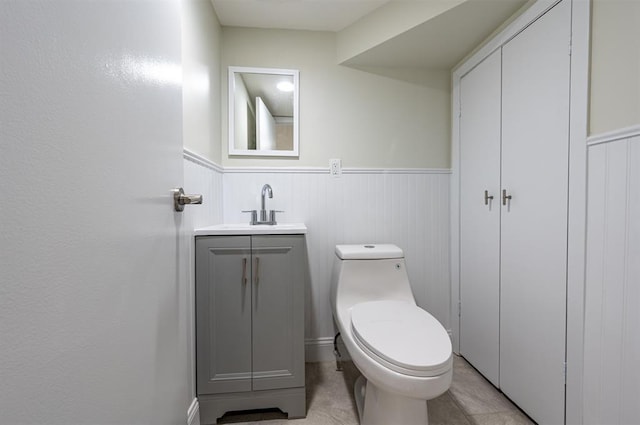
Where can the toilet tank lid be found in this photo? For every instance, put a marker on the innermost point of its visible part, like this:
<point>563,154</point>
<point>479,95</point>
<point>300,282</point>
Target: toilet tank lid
<point>368,252</point>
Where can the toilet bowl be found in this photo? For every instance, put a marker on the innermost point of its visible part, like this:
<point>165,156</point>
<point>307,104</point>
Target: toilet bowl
<point>403,353</point>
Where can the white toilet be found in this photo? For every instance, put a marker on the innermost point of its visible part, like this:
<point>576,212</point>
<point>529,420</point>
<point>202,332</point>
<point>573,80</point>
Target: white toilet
<point>403,352</point>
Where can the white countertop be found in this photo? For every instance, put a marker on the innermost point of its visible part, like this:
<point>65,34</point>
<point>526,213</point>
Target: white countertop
<point>247,229</point>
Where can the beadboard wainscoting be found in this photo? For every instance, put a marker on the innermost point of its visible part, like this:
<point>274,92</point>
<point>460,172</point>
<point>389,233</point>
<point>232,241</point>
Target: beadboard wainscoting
<point>612,290</point>
<point>407,207</point>
<point>203,177</point>
<point>200,177</point>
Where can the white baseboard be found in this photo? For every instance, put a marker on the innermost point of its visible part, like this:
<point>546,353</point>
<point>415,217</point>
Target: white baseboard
<point>193,414</point>
<point>321,350</point>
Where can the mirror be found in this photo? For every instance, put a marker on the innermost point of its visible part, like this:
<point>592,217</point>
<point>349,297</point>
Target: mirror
<point>263,111</point>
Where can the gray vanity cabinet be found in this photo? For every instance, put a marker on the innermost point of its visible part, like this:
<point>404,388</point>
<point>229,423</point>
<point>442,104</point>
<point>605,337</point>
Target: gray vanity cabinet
<point>250,324</point>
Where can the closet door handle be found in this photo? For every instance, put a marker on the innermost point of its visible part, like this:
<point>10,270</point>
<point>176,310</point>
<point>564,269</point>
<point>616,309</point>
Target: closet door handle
<point>487,197</point>
<point>244,271</point>
<point>505,197</point>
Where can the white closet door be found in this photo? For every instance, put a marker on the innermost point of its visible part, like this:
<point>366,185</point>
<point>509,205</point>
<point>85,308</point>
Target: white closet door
<point>480,221</point>
<point>535,135</point>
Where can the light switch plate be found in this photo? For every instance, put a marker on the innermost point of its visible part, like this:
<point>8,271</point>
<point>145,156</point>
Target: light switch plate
<point>335,167</point>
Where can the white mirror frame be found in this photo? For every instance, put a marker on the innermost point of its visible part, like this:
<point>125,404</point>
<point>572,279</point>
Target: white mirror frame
<point>233,70</point>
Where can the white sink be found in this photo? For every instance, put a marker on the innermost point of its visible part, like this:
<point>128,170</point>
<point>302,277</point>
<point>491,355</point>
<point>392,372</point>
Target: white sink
<point>247,229</point>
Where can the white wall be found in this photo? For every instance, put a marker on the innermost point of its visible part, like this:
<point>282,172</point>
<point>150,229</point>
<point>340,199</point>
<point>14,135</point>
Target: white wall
<point>201,36</point>
<point>410,209</point>
<point>615,65</point>
<point>365,119</point>
<point>612,286</point>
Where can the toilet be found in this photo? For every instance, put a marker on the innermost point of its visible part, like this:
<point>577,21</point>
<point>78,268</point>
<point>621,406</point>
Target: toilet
<point>403,353</point>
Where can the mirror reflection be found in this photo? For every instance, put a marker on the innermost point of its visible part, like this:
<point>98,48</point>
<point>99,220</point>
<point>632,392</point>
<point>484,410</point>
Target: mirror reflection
<point>263,111</point>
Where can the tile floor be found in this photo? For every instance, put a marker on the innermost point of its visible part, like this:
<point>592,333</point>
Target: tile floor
<point>471,400</point>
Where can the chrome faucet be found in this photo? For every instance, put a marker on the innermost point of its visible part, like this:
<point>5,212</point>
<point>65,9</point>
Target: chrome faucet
<point>271,220</point>
<point>266,189</point>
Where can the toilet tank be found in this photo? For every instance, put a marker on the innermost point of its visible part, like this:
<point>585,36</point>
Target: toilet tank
<point>368,273</point>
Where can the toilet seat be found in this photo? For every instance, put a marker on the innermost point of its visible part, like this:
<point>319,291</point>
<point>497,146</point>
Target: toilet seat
<point>402,336</point>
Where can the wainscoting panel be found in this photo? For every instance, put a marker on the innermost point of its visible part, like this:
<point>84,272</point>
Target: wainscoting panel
<point>409,208</point>
<point>612,293</point>
<point>200,177</point>
<point>203,177</point>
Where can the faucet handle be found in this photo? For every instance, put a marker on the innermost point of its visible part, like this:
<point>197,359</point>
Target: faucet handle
<point>272,216</point>
<point>254,216</point>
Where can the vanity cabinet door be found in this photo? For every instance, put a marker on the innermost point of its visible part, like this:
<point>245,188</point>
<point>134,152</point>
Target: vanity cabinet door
<point>278,315</point>
<point>223,314</point>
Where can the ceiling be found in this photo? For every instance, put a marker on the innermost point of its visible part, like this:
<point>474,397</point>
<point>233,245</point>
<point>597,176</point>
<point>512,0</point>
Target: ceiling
<point>444,40</point>
<point>439,43</point>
